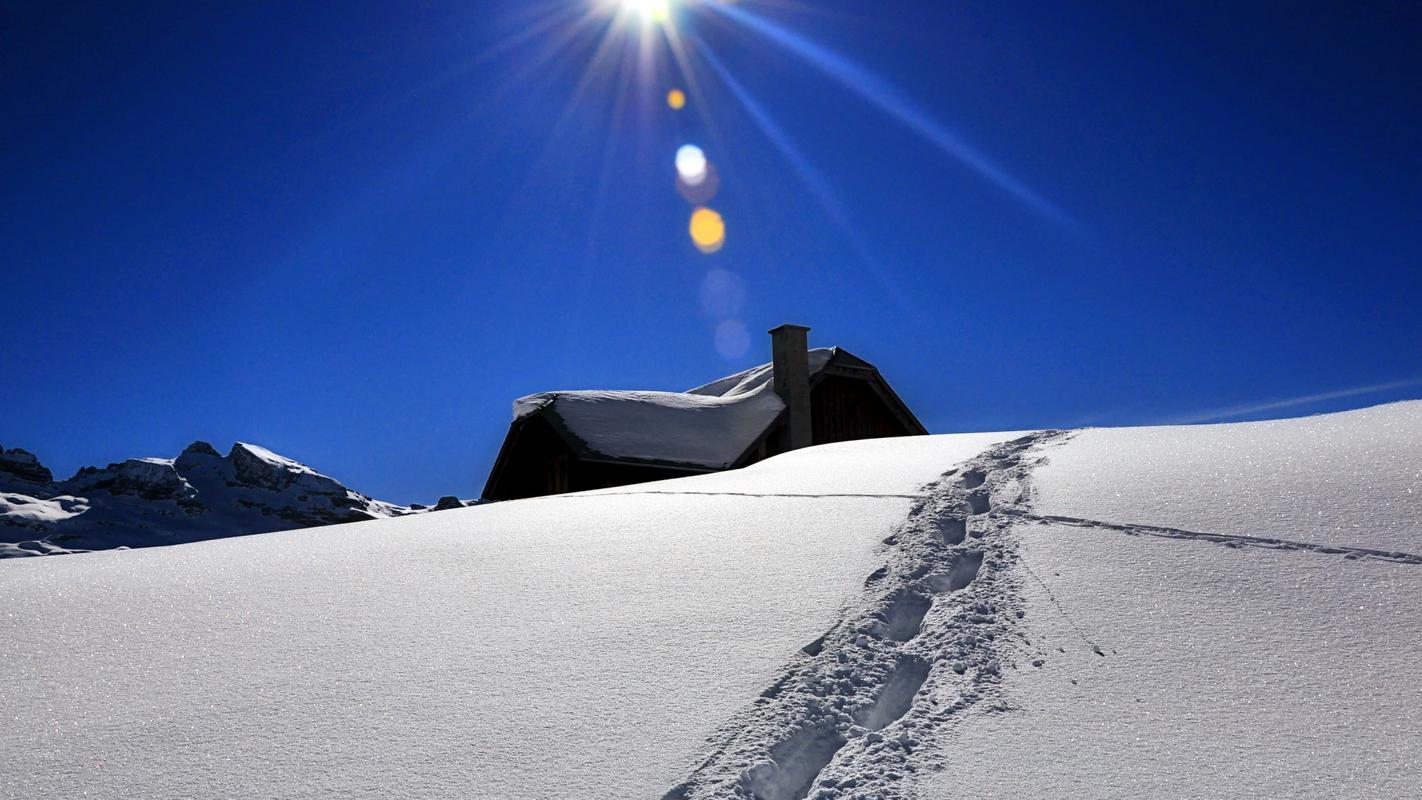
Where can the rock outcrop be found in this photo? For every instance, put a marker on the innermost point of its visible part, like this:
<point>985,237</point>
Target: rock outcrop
<point>19,464</point>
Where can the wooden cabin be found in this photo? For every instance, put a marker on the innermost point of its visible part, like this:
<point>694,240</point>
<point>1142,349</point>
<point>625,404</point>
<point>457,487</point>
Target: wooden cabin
<point>573,441</point>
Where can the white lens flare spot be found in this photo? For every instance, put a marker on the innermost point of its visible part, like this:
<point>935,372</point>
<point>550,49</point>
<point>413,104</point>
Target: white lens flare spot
<point>691,164</point>
<point>732,339</point>
<point>723,294</point>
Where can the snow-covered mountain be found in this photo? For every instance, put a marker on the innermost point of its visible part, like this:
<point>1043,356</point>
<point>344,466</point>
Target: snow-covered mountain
<point>155,501</point>
<point>1224,611</point>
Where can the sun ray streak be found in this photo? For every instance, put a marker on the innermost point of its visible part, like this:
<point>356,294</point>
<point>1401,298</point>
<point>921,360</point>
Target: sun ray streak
<point>607,49</point>
<point>607,167</point>
<point>558,42</point>
<point>677,45</point>
<point>1222,414</point>
<point>893,102</point>
<point>569,18</point>
<point>813,179</point>
<point>609,58</point>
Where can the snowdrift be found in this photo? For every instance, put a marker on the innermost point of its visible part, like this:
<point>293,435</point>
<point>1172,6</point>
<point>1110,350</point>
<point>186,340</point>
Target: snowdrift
<point>1210,611</point>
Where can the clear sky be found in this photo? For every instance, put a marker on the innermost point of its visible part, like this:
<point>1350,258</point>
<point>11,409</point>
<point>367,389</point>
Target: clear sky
<point>355,232</point>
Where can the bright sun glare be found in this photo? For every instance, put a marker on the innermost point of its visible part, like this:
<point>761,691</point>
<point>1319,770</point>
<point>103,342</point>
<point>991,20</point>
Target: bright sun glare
<point>649,49</point>
<point>649,10</point>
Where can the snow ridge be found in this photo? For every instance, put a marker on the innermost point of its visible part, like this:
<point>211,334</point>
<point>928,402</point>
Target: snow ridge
<point>858,709</point>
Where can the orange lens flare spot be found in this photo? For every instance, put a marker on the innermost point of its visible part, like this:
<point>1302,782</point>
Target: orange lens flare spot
<point>676,98</point>
<point>708,230</point>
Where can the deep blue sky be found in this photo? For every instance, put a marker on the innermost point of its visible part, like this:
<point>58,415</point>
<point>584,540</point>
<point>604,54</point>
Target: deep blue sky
<point>355,232</point>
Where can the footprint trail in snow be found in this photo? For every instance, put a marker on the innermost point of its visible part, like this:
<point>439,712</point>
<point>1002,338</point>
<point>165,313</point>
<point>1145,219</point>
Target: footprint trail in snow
<point>849,714</point>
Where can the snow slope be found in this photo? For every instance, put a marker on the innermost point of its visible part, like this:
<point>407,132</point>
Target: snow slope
<point>1260,631</point>
<point>567,647</point>
<point>1209,611</point>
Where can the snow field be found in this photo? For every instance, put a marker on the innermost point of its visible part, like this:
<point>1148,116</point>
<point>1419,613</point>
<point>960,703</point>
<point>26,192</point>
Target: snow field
<point>1212,611</point>
<point>568,647</point>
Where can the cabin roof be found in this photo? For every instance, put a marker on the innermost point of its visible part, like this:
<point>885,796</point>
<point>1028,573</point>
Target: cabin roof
<point>708,427</point>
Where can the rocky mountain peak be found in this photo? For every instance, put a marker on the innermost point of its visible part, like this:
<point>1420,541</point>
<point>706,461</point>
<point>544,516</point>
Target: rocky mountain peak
<point>20,463</point>
<point>200,448</point>
<point>199,495</point>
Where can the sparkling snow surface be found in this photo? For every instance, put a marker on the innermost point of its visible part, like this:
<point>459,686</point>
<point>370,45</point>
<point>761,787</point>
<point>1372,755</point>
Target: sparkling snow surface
<point>1229,611</point>
<point>572,647</point>
<point>1352,479</point>
<point>1228,671</point>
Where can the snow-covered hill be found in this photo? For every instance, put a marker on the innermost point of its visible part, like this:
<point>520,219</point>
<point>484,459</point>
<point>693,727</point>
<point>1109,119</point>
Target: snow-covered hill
<point>155,501</point>
<point>1211,611</point>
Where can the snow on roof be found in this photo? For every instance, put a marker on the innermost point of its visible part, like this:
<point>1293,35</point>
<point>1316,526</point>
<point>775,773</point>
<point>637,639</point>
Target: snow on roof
<point>709,426</point>
<point>749,380</point>
<point>666,426</point>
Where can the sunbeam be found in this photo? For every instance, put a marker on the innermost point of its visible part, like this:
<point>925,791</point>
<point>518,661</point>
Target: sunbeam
<point>893,102</point>
<point>819,187</point>
<point>1223,414</point>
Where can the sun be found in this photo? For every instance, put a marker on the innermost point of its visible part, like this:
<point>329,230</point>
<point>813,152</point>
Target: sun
<point>658,11</point>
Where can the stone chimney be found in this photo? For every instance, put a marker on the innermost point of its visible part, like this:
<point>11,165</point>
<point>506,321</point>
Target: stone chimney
<point>790,362</point>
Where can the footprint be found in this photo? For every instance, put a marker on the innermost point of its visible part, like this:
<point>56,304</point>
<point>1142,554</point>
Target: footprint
<point>953,530</point>
<point>794,764</point>
<point>896,697</point>
<point>959,576</point>
<point>979,503</point>
<point>972,479</point>
<point>905,615</point>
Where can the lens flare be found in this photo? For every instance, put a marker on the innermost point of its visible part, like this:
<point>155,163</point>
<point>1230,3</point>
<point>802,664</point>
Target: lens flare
<point>691,164</point>
<point>723,294</point>
<point>732,339</point>
<point>676,98</point>
<point>700,194</point>
<point>708,230</point>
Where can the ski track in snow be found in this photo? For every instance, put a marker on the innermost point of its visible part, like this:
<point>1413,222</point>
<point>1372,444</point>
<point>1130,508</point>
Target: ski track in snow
<point>863,495</point>
<point>864,708</point>
<point>858,710</point>
<point>1226,539</point>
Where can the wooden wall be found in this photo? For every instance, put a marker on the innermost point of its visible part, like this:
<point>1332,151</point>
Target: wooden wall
<point>843,409</point>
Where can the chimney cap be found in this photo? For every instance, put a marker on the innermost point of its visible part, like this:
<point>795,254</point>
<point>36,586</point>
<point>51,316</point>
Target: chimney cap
<point>789,326</point>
